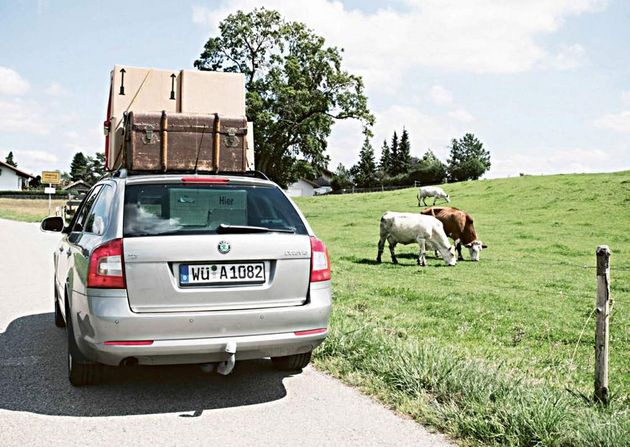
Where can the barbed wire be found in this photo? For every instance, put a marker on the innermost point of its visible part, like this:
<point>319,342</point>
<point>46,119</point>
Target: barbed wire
<point>557,264</point>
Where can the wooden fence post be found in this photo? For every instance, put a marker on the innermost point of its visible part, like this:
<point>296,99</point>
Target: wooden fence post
<point>601,326</point>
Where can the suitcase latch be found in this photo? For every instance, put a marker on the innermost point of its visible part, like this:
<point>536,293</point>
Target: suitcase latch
<point>149,136</point>
<point>231,140</point>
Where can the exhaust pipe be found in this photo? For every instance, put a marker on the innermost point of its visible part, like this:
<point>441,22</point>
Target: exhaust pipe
<point>129,361</point>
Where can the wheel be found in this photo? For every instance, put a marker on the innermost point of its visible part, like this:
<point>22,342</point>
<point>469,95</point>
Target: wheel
<point>81,374</point>
<point>81,371</point>
<point>59,321</point>
<point>292,362</point>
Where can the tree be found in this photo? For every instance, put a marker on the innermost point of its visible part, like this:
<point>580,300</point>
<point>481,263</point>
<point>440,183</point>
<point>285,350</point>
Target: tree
<point>384,164</point>
<point>296,87</point>
<point>402,162</point>
<point>79,169</point>
<point>9,160</point>
<point>341,178</point>
<point>96,165</point>
<point>429,170</point>
<point>364,172</point>
<point>393,155</point>
<point>468,159</point>
<point>35,182</point>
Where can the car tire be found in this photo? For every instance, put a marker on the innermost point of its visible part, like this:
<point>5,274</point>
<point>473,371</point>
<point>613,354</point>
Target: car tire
<point>292,362</point>
<point>81,371</point>
<point>59,321</point>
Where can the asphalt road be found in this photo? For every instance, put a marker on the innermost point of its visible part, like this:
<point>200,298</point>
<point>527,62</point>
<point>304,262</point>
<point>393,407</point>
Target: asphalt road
<point>155,406</point>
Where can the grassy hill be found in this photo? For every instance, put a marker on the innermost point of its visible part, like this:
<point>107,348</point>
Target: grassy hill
<point>524,313</point>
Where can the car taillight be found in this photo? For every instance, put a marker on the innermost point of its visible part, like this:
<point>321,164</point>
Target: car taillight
<point>320,262</point>
<point>106,270</point>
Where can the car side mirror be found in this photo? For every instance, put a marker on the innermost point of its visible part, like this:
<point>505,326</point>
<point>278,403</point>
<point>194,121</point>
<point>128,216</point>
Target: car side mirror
<point>54,223</point>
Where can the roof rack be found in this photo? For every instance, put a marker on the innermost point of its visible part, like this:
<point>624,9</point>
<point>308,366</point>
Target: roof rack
<point>124,173</point>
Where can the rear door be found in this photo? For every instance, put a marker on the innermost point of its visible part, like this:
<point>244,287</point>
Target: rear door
<point>213,247</point>
<point>65,260</point>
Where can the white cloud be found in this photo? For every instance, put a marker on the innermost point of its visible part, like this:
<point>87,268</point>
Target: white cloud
<point>440,95</point>
<point>619,122</point>
<point>485,36</point>
<point>11,83</point>
<point>39,156</point>
<point>23,116</point>
<point>567,57</point>
<point>55,89</point>
<point>461,114</point>
<point>625,96</point>
<point>72,135</point>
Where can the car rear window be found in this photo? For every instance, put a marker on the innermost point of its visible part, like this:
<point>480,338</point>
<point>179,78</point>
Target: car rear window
<point>152,210</point>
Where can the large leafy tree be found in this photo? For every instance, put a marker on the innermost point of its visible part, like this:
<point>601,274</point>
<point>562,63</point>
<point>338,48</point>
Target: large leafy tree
<point>364,172</point>
<point>468,159</point>
<point>296,87</point>
<point>9,160</point>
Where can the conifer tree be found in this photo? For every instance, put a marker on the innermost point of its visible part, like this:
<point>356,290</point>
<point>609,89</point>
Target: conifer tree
<point>364,172</point>
<point>385,157</point>
<point>393,154</point>
<point>404,153</point>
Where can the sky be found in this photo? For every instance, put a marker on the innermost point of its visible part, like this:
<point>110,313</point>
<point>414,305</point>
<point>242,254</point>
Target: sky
<point>544,84</point>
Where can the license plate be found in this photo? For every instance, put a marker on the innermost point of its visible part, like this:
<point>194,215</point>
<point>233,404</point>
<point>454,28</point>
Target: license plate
<point>196,274</point>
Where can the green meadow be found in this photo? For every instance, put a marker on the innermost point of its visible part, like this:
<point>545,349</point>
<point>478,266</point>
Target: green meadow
<point>503,348</point>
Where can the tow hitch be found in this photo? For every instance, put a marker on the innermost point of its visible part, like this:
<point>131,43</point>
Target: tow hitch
<point>225,367</point>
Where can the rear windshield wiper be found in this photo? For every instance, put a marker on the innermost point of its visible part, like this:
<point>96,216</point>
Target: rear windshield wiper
<point>235,229</point>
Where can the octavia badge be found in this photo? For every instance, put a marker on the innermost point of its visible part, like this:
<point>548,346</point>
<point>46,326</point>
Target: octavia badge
<point>224,247</point>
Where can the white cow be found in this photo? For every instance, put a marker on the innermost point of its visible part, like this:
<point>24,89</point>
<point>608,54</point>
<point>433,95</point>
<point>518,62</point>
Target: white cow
<point>407,228</point>
<point>432,191</point>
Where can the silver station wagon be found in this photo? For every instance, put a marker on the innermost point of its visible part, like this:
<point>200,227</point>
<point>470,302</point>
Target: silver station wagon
<point>188,269</point>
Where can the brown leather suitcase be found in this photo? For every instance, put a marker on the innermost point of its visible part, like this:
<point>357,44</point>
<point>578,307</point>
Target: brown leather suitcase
<point>171,142</point>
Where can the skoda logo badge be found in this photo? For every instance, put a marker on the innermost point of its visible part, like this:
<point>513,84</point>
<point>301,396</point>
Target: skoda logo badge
<point>224,247</point>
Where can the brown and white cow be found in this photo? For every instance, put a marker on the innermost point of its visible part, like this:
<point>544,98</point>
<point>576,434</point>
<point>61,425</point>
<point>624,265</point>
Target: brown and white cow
<point>458,225</point>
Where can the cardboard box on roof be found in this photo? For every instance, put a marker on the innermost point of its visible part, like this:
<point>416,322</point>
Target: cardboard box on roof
<point>174,91</point>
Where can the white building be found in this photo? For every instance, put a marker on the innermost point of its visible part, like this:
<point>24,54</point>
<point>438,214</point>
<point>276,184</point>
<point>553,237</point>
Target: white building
<point>13,179</point>
<point>304,187</point>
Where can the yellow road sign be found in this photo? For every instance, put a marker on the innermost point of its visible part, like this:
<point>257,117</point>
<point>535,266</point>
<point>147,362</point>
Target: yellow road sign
<point>51,177</point>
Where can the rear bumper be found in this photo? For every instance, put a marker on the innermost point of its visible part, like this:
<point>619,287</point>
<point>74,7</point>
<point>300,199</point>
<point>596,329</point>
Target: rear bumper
<point>195,337</point>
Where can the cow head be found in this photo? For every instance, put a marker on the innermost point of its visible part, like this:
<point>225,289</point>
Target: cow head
<point>475,248</point>
<point>451,257</point>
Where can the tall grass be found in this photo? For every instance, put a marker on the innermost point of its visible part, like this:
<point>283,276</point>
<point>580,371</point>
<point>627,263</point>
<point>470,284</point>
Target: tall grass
<point>465,397</point>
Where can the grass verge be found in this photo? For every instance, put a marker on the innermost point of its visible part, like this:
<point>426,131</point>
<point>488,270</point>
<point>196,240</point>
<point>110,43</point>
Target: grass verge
<point>26,210</point>
<point>465,398</point>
